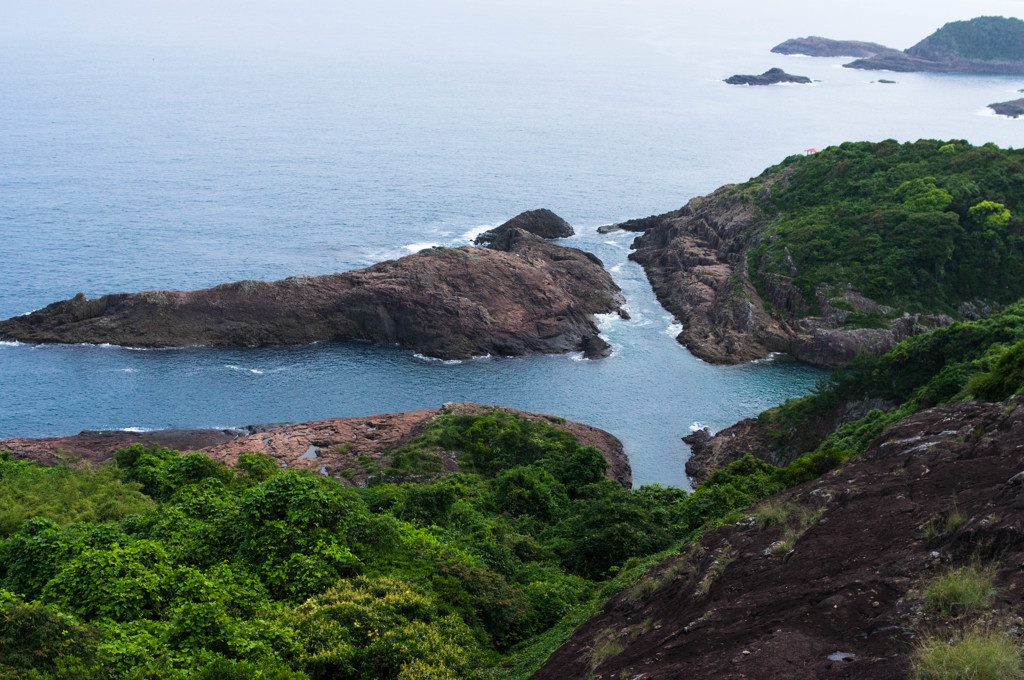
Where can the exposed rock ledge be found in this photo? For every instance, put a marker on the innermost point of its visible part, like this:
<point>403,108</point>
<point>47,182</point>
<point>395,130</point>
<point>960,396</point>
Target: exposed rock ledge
<point>528,297</point>
<point>696,261</point>
<point>772,76</point>
<point>334,447</point>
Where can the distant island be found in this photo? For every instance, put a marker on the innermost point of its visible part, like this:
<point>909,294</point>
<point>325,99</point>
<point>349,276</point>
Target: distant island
<point>989,45</point>
<point>816,46</point>
<point>772,76</point>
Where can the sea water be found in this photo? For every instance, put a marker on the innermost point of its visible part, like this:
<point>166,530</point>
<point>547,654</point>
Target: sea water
<point>178,145</point>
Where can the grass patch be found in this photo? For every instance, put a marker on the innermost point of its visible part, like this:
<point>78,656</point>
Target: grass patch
<point>794,518</point>
<point>606,645</point>
<point>961,591</point>
<point>974,655</point>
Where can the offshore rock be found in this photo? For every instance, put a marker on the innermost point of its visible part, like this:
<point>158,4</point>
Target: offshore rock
<point>772,76</point>
<point>451,303</point>
<point>337,447</point>
<point>816,46</point>
<point>542,222</point>
<point>1012,109</point>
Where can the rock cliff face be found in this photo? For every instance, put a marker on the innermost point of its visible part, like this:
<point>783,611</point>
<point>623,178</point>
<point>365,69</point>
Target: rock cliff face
<point>841,596</point>
<point>542,222</point>
<point>772,76</point>
<point>529,297</point>
<point>337,447</point>
<point>696,261</point>
<point>816,46</point>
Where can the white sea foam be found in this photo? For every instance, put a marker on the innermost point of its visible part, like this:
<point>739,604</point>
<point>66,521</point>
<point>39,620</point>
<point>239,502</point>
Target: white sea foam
<point>674,329</point>
<point>606,320</point>
<point>241,369</point>
<point>10,343</point>
<point>616,269</point>
<point>613,243</point>
<point>577,356</point>
<point>137,430</point>
<point>417,247</point>
<point>127,370</point>
<point>447,362</point>
<point>476,231</point>
<point>768,359</point>
<point>697,425</point>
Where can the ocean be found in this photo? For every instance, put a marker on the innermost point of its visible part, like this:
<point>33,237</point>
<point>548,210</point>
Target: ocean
<point>175,145</point>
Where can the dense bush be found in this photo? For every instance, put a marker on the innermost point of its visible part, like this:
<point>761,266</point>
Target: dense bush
<point>922,226</point>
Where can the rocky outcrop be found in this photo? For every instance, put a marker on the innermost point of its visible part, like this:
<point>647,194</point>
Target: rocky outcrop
<point>339,447</point>
<point>768,439</point>
<point>542,222</point>
<point>1012,109</point>
<point>529,297</point>
<point>772,76</point>
<point>839,594</point>
<point>696,261</point>
<point>816,46</point>
<point>983,45</point>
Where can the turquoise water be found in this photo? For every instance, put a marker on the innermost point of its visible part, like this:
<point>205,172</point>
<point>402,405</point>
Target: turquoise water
<point>178,146</point>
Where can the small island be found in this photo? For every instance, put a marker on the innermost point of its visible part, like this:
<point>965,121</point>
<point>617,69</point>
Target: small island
<point>772,76</point>
<point>520,295</point>
<point>983,45</point>
<point>1011,109</point>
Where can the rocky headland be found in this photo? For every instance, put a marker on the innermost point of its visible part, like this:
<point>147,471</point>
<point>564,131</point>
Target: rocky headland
<point>521,295</point>
<point>983,45</point>
<point>816,46</point>
<point>772,76</point>
<point>1011,109</point>
<point>696,261</point>
<point>348,449</point>
<point>836,587</point>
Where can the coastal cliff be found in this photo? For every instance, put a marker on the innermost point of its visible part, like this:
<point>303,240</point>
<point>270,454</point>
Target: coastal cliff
<point>801,260</point>
<point>523,296</point>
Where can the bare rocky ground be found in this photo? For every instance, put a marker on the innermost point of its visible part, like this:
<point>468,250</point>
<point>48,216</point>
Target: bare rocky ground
<point>522,296</point>
<point>843,600</point>
<point>346,448</point>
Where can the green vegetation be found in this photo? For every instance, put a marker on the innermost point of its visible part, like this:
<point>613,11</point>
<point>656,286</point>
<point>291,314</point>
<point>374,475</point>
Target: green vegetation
<point>985,38</point>
<point>973,655</point>
<point>973,359</point>
<point>922,227</point>
<point>176,566</point>
<point>961,591</point>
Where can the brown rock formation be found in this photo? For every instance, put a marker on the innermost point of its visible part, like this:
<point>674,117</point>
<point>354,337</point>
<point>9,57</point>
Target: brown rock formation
<point>844,598</point>
<point>337,447</point>
<point>542,222</point>
<point>696,261</point>
<point>816,46</point>
<point>453,303</point>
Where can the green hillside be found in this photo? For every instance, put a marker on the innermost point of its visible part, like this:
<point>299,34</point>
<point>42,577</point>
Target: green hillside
<point>922,226</point>
<point>984,38</point>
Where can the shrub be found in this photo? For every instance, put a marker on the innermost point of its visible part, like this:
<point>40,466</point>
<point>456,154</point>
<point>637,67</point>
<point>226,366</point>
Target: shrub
<point>960,591</point>
<point>975,655</point>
